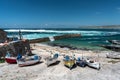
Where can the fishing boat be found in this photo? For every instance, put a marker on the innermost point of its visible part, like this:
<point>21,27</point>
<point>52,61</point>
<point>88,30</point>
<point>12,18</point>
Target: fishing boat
<point>28,61</point>
<point>51,60</point>
<point>113,55</point>
<point>93,64</point>
<point>81,62</point>
<point>9,59</point>
<point>69,62</point>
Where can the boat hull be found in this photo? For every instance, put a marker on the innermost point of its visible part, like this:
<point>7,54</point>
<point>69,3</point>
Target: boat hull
<point>50,61</point>
<point>23,62</point>
<point>95,65</point>
<point>81,63</point>
<point>11,60</point>
<point>27,63</point>
<point>69,63</point>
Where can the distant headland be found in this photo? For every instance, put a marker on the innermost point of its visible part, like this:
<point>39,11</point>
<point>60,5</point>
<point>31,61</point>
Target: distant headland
<point>101,27</point>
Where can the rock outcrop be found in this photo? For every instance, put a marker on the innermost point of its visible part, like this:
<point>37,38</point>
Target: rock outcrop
<point>15,47</point>
<point>3,35</point>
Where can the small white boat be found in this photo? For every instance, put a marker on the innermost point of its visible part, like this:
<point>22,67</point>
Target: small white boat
<point>113,55</point>
<point>51,60</point>
<point>93,64</point>
<point>28,61</point>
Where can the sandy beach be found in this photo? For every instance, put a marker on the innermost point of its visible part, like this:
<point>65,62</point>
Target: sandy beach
<point>110,68</point>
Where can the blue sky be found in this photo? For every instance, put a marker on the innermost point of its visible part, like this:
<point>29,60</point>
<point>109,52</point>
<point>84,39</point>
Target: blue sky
<point>59,12</point>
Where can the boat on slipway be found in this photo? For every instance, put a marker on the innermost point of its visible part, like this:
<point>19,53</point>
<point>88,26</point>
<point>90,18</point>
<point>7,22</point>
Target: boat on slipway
<point>28,61</point>
<point>69,61</point>
<point>51,60</point>
<point>9,59</point>
<point>93,64</point>
<point>81,62</point>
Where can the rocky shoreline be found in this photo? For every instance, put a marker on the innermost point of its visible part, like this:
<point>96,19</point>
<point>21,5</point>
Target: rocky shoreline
<point>70,47</point>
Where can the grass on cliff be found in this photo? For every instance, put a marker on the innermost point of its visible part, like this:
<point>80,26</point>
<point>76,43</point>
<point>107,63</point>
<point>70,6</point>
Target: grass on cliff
<point>2,60</point>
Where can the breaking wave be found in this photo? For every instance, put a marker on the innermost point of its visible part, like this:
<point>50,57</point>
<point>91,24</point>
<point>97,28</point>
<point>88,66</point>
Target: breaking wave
<point>82,32</point>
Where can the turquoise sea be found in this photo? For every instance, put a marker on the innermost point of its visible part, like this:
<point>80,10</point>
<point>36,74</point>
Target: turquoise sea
<point>90,38</point>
